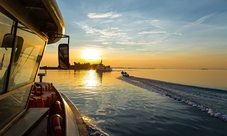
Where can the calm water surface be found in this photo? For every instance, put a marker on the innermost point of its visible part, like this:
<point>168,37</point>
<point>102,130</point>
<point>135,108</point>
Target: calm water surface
<point>119,108</point>
<point>203,78</point>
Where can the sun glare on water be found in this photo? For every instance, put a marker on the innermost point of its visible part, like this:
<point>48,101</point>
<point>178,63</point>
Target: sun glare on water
<point>91,55</point>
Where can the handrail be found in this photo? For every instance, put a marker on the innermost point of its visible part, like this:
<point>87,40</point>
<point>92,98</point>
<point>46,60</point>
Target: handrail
<point>2,96</point>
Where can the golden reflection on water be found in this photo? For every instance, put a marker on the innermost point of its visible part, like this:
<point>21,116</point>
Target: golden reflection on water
<point>91,79</point>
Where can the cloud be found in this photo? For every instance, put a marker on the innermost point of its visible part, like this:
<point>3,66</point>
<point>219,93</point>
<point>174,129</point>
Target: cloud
<point>144,50</point>
<point>202,19</point>
<point>134,43</point>
<point>111,48</point>
<point>179,34</point>
<point>3,23</point>
<point>104,32</point>
<point>109,33</point>
<point>104,15</point>
<point>153,21</point>
<point>105,43</point>
<point>153,32</point>
<point>189,25</point>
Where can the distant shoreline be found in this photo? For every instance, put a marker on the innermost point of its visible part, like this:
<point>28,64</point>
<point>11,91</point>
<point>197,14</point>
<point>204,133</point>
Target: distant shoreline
<point>92,68</point>
<point>71,68</point>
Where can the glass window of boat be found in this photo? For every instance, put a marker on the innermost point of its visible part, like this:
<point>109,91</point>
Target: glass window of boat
<point>5,53</point>
<point>28,53</point>
<point>12,105</point>
<point>24,51</point>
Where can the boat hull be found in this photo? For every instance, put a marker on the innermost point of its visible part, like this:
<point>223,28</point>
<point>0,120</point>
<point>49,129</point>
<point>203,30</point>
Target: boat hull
<point>104,69</point>
<point>47,110</point>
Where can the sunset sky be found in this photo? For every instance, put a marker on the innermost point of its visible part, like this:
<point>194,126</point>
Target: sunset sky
<point>145,33</point>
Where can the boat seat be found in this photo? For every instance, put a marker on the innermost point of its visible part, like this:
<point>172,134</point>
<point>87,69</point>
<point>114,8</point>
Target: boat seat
<point>39,88</point>
<point>48,97</point>
<point>46,85</point>
<point>45,99</point>
<point>35,101</point>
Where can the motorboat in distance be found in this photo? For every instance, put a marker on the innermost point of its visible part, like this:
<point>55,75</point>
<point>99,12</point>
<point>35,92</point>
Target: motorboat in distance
<point>124,74</point>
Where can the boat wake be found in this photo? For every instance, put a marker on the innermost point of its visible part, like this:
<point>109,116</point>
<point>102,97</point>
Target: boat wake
<point>212,101</point>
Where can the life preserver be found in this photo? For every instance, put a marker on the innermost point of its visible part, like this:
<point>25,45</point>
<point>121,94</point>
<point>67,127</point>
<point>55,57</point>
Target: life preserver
<point>58,108</point>
<point>56,125</point>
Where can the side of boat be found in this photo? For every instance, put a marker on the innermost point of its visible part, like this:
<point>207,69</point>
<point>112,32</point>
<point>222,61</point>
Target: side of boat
<point>28,107</point>
<point>104,68</point>
<point>47,106</point>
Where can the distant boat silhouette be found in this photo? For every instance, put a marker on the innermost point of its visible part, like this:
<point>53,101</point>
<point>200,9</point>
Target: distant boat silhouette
<point>124,74</point>
<point>102,67</point>
<point>204,69</point>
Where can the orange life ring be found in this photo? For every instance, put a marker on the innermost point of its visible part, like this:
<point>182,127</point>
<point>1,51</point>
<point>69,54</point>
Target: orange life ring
<point>58,108</point>
<point>56,124</point>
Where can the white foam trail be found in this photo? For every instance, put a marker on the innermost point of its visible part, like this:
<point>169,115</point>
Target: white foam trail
<point>207,100</point>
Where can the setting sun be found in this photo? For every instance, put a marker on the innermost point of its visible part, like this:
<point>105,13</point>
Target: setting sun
<point>91,54</point>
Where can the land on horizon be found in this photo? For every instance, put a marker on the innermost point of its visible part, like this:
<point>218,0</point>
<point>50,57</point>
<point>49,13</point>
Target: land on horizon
<point>93,67</point>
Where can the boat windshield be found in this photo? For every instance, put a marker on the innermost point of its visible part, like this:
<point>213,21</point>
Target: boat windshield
<point>20,55</point>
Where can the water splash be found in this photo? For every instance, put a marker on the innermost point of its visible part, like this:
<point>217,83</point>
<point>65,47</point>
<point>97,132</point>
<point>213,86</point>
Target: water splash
<point>212,101</point>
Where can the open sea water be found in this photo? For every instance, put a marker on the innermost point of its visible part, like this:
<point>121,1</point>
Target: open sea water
<point>162,102</point>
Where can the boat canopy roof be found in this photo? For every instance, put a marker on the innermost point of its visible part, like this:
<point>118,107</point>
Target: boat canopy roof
<point>43,17</point>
